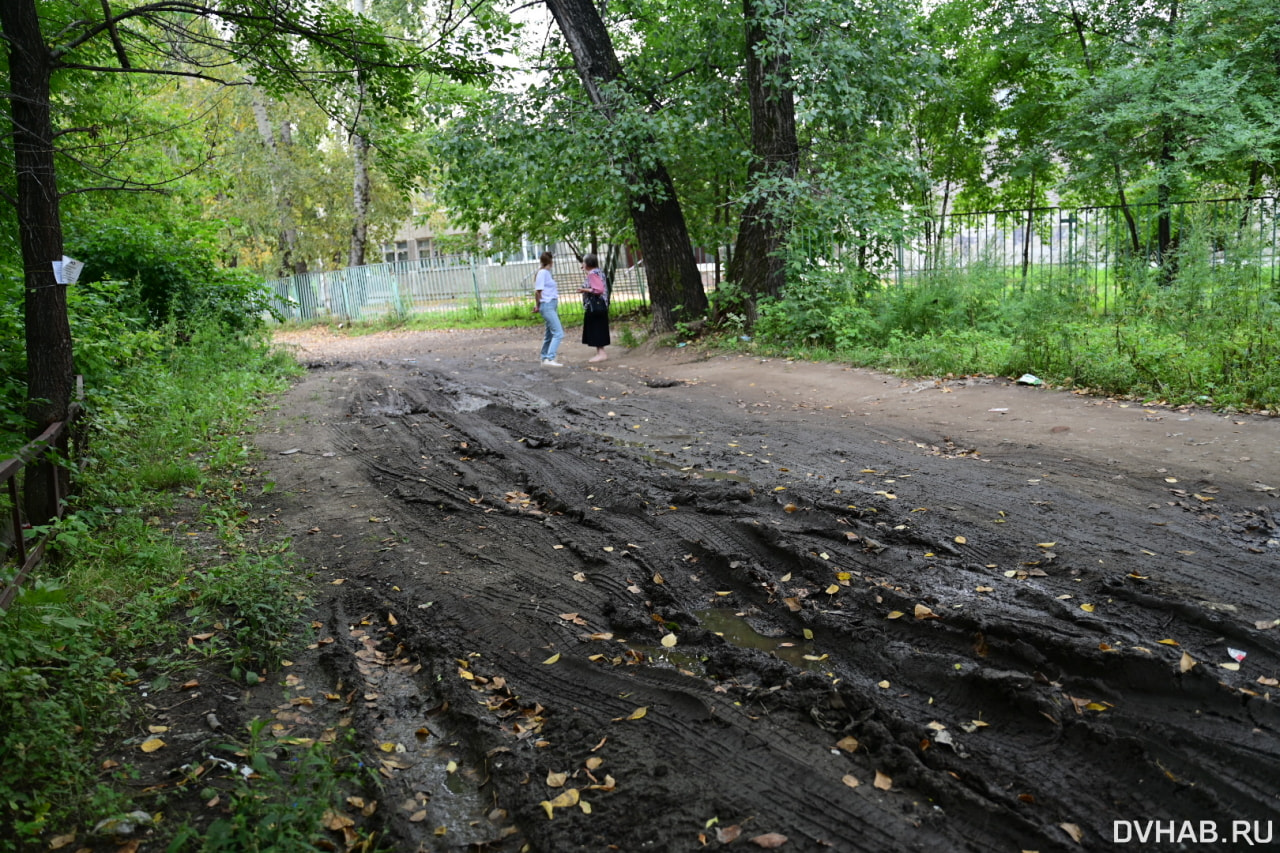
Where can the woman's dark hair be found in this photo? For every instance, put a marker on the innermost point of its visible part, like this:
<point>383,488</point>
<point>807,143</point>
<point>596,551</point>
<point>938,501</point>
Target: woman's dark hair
<point>545,258</point>
<point>591,260</point>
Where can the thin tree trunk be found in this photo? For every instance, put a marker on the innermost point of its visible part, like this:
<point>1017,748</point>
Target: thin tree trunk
<point>50,366</point>
<point>359,200</point>
<point>1078,23</point>
<point>360,183</point>
<point>675,285</point>
<point>1026,237</point>
<point>287,236</point>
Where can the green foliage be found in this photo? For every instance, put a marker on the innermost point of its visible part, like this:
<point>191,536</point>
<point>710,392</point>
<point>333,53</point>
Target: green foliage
<point>118,587</point>
<point>172,274</point>
<point>1209,336</point>
<point>819,308</point>
<point>13,366</point>
<point>57,690</point>
<point>282,807</point>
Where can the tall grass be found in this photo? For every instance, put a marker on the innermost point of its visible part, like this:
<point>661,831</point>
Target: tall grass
<point>1195,330</point>
<point>114,603</point>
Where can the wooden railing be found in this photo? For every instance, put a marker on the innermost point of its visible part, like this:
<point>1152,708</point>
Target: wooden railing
<point>20,547</point>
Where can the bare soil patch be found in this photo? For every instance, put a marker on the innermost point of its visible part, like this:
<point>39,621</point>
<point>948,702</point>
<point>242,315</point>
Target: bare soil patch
<point>680,598</point>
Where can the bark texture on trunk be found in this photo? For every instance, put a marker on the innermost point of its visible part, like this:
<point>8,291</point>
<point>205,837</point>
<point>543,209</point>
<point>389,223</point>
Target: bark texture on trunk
<point>50,367</point>
<point>360,186</point>
<point>287,237</point>
<point>675,285</point>
<point>758,265</point>
<point>359,200</point>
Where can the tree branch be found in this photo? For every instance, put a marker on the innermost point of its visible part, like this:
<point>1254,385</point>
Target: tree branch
<point>115,34</point>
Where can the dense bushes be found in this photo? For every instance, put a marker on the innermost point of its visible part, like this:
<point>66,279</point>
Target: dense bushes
<point>1209,336</point>
<point>169,276</point>
<point>142,290</point>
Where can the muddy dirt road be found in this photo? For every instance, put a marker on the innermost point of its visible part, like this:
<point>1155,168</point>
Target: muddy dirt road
<point>679,599</point>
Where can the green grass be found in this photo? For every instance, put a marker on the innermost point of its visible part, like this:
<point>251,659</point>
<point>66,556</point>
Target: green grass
<point>1209,335</point>
<point>496,315</point>
<point>123,589</point>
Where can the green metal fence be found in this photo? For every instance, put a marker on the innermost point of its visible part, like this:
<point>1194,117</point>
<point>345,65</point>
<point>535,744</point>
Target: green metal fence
<point>437,284</point>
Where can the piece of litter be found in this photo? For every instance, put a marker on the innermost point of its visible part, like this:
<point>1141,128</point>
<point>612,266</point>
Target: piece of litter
<point>290,451</point>
<point>1028,379</point>
<point>997,410</point>
<point>1237,655</point>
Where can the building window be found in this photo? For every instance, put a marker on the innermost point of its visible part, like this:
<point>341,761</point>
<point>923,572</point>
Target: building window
<point>396,251</point>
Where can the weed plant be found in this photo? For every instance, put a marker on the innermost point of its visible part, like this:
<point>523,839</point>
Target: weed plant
<point>281,808</point>
<point>110,610</point>
<point>1196,330</point>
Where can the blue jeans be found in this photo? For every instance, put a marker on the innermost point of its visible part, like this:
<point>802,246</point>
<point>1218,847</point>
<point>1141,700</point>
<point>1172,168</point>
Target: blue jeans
<point>555,332</point>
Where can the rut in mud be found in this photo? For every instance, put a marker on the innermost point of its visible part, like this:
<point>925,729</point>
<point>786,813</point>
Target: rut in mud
<point>638,612</point>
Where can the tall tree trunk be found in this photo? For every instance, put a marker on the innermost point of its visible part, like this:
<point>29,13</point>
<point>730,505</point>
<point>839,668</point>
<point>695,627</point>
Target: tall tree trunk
<point>1164,197</point>
<point>287,236</point>
<point>1031,224</point>
<point>50,367</point>
<point>1077,22</point>
<point>759,265</point>
<point>360,183</point>
<point>675,286</point>
<point>359,200</point>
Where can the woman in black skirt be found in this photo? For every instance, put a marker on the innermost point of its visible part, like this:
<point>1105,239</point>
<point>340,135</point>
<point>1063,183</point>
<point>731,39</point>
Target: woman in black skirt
<point>595,303</point>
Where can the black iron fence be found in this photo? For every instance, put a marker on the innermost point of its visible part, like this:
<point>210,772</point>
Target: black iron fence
<point>1103,248</point>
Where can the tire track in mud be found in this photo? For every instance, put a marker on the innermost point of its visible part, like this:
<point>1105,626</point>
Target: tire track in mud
<point>544,524</point>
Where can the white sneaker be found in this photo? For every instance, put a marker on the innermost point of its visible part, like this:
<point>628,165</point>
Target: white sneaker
<point>551,362</point>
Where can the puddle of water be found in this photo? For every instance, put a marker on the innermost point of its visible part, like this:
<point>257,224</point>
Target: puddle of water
<point>428,770</point>
<point>735,630</point>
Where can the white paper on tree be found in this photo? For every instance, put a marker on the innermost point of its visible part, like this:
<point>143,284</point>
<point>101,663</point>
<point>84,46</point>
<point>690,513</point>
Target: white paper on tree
<point>67,270</point>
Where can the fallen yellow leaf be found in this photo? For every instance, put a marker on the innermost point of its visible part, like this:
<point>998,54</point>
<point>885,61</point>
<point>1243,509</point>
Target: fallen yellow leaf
<point>894,614</point>
<point>152,744</point>
<point>569,798</point>
<point>770,840</point>
<point>668,640</point>
<point>1187,662</point>
<point>1087,608</point>
<point>960,540</point>
<point>883,782</point>
<point>849,743</point>
<point>851,781</point>
<point>1168,642</point>
<point>552,659</point>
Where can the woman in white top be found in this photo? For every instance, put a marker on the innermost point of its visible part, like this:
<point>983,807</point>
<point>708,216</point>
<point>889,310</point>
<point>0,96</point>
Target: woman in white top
<point>545,299</point>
